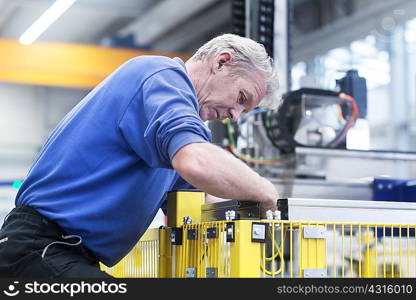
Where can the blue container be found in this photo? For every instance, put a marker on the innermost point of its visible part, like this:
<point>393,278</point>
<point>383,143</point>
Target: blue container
<point>397,190</point>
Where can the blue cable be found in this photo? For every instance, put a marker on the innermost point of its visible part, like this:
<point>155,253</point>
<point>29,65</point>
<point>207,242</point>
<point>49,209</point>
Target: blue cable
<point>251,113</point>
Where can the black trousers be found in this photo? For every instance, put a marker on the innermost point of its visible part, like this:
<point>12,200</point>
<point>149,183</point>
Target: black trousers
<point>31,246</point>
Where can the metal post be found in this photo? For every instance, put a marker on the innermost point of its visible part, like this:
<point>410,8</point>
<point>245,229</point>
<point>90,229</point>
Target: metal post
<point>281,43</point>
<point>245,254</point>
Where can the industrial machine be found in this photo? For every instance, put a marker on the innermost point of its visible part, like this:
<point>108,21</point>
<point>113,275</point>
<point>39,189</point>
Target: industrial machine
<point>306,238</point>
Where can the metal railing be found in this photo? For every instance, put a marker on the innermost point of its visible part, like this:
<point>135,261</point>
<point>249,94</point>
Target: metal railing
<point>263,248</point>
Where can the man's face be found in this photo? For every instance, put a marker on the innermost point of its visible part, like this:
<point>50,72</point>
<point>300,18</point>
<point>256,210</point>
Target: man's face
<point>228,96</point>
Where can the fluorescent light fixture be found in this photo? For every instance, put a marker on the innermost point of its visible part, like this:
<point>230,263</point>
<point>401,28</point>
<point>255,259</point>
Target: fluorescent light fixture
<point>45,20</point>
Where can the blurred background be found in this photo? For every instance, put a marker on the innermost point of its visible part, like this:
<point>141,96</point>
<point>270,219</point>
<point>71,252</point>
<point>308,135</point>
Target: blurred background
<point>47,67</point>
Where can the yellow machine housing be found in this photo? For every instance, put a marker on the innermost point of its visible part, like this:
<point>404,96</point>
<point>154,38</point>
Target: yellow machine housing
<point>267,248</point>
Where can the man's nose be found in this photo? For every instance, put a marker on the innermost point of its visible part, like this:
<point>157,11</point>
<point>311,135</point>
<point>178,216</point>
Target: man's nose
<point>235,113</point>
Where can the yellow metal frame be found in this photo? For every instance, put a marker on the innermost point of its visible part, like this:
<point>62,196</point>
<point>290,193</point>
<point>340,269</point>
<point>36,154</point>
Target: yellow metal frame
<point>144,259</point>
<point>245,255</point>
<point>332,250</point>
<point>165,253</point>
<point>184,204</point>
<point>370,252</point>
<point>63,64</point>
<point>312,251</point>
<point>201,253</point>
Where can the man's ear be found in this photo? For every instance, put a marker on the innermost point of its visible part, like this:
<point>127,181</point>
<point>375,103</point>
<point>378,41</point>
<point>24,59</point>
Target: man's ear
<point>223,58</point>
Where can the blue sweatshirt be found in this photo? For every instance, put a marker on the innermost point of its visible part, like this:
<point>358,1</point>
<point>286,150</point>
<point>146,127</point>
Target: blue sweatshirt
<point>104,171</point>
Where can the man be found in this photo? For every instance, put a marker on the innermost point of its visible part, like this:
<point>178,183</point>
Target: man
<point>104,171</point>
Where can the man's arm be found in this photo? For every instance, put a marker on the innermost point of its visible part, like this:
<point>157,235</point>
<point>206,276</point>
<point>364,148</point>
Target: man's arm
<point>217,172</point>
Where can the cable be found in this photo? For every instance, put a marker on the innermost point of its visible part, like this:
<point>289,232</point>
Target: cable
<point>281,125</point>
<point>268,127</point>
<point>251,113</point>
<point>244,118</point>
<point>340,115</point>
<point>247,157</point>
<point>351,119</point>
<point>279,253</point>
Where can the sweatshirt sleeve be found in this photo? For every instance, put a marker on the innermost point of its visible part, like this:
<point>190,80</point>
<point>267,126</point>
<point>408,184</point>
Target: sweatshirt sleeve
<point>163,118</point>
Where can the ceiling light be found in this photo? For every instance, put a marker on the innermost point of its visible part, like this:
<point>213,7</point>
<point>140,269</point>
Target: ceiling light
<point>45,20</point>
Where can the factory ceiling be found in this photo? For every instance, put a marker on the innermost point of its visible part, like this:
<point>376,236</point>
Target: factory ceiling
<point>183,25</point>
<point>166,25</point>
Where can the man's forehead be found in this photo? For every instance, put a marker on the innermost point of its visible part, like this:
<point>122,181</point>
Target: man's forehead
<point>258,79</point>
<point>257,86</point>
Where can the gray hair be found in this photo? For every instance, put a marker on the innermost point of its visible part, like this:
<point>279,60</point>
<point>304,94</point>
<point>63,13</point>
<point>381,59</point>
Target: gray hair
<point>247,55</point>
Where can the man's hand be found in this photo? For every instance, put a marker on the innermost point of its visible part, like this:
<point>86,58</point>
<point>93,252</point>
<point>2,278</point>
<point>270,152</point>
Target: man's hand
<point>270,202</point>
